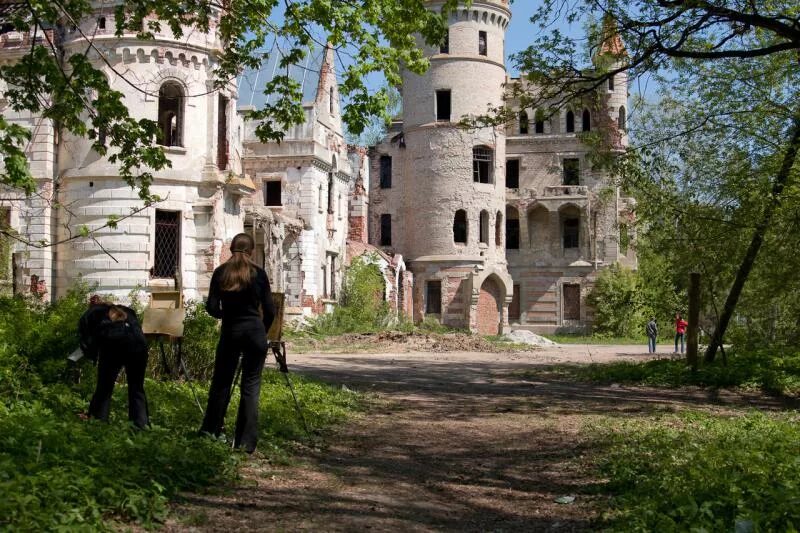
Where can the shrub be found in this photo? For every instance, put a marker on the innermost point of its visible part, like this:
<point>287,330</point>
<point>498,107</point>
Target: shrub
<point>618,304</point>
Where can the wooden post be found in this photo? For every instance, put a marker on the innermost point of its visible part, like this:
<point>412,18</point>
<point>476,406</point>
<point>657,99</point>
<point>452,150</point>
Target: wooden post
<point>693,318</point>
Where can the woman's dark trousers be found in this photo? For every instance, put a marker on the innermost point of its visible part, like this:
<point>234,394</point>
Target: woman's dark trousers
<point>108,368</point>
<point>251,343</point>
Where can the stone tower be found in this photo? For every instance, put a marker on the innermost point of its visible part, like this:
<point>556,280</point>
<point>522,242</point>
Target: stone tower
<point>438,189</point>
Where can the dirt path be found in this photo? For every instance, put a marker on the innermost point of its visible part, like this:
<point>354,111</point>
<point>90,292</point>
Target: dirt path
<point>457,442</point>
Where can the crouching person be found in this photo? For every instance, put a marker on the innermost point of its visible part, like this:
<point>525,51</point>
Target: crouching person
<point>111,335</point>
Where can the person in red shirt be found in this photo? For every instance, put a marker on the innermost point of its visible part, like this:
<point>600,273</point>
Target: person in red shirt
<point>680,332</point>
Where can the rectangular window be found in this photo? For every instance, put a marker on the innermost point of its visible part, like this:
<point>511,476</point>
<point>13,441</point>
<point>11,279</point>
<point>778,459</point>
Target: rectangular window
<point>272,193</point>
<point>433,297</point>
<point>611,83</point>
<point>482,46</point>
<point>386,172</point>
<point>443,106</point>
<point>222,134</point>
<point>571,233</point>
<point>332,262</point>
<point>512,234</point>
<point>167,244</point>
<point>482,165</point>
<point>512,174</point>
<point>444,48</point>
<point>572,172</point>
<point>386,230</point>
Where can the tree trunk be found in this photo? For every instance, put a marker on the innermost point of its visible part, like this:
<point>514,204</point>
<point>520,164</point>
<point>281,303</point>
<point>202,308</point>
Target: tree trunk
<point>694,318</point>
<point>755,244</point>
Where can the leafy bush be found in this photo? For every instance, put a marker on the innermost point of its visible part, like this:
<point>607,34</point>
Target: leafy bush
<point>761,370</point>
<point>618,303</point>
<point>699,472</point>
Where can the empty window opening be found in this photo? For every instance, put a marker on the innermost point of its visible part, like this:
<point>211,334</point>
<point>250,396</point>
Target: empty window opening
<point>460,227</point>
<point>332,274</point>
<point>443,106</point>
<point>621,119</point>
<point>167,249</point>
<point>386,172</point>
<point>433,297</point>
<point>611,83</point>
<point>482,164</point>
<point>571,233</point>
<point>484,227</point>
<point>498,229</point>
<point>523,123</point>
<point>587,120</point>
<point>272,193</point>
<point>512,174</point>
<point>386,230</point>
<point>222,134</point>
<point>483,48</point>
<point>571,172</point>
<point>570,122</point>
<point>539,124</point>
<point>512,228</point>
<point>330,99</point>
<point>101,23</point>
<point>444,48</point>
<point>330,193</point>
<point>170,114</point>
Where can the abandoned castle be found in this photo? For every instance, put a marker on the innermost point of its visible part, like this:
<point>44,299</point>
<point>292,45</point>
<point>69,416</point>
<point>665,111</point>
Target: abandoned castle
<point>482,229</point>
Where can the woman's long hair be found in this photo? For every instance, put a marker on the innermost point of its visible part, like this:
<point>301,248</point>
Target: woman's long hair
<point>238,271</point>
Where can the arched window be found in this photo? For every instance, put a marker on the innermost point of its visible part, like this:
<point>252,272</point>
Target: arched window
<point>498,229</point>
<point>330,193</point>
<point>621,119</point>
<point>512,228</point>
<point>484,227</point>
<point>587,120</point>
<point>539,124</point>
<point>523,123</point>
<point>331,100</point>
<point>482,163</point>
<point>570,122</point>
<point>170,114</point>
<point>538,218</point>
<point>460,227</point>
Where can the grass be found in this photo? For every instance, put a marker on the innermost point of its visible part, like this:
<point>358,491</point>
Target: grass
<point>593,339</point>
<point>699,472</point>
<point>772,373</point>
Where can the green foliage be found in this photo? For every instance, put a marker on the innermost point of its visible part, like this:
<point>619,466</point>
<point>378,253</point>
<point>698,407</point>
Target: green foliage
<point>777,374</point>
<point>698,472</point>
<point>60,472</point>
<point>362,306</point>
<point>618,303</point>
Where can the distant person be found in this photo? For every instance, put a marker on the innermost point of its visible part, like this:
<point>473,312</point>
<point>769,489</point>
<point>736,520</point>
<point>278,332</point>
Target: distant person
<point>239,295</point>
<point>111,335</point>
<point>651,329</point>
<point>680,332</point>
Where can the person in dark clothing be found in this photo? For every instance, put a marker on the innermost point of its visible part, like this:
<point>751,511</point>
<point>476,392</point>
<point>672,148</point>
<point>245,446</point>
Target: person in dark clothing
<point>111,335</point>
<point>239,295</point>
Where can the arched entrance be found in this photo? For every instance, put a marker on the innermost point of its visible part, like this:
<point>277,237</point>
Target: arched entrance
<point>489,306</point>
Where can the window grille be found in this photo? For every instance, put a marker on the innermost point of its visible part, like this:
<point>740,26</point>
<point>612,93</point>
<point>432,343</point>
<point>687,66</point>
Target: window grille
<point>167,244</point>
<point>482,164</point>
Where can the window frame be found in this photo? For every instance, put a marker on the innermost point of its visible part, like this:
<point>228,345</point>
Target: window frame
<point>158,271</point>
<point>440,94</point>
<point>482,164</point>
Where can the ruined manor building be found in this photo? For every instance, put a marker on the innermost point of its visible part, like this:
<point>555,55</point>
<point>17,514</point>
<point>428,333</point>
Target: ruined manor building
<point>293,197</point>
<point>499,226</point>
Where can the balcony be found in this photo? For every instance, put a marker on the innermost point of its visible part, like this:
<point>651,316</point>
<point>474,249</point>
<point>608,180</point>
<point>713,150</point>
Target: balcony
<point>572,191</point>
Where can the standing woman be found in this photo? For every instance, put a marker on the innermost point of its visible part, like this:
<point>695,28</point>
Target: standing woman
<point>239,295</point>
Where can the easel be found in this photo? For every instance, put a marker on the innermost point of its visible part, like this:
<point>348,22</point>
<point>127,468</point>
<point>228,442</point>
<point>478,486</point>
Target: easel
<point>163,321</point>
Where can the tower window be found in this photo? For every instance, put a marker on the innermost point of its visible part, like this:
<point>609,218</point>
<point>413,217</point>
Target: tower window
<point>460,227</point>
<point>443,106</point>
<point>482,45</point>
<point>386,172</point>
<point>170,114</point>
<point>587,120</point>
<point>433,297</point>
<point>444,48</point>
<point>523,123</point>
<point>484,227</point>
<point>272,193</point>
<point>539,124</point>
<point>386,230</point>
<point>571,232</point>
<point>166,260</point>
<point>621,119</point>
<point>570,122</point>
<point>571,172</point>
<point>482,164</point>
<point>611,83</point>
<point>512,174</point>
<point>222,134</point>
<point>101,23</point>
<point>330,99</point>
<point>330,193</point>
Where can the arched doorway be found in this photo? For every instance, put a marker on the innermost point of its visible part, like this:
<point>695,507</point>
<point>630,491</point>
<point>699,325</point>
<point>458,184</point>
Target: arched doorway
<point>489,305</point>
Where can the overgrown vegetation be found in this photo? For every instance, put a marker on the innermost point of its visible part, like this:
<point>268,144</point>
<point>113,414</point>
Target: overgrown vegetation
<point>58,471</point>
<point>774,374</point>
<point>698,472</point>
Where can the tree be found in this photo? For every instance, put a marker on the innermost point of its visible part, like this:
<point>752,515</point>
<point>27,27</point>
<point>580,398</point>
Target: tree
<point>733,67</point>
<point>378,36</point>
